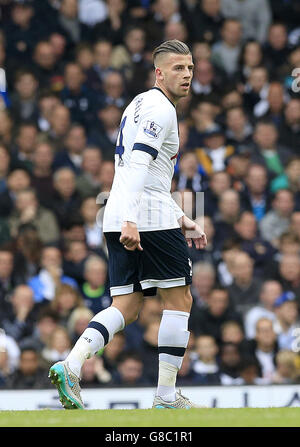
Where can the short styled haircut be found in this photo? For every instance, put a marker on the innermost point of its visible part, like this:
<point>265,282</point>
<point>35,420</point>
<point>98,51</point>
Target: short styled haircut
<point>170,46</point>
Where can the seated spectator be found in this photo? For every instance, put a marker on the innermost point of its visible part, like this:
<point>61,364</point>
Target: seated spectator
<point>230,359</point>
<point>229,249</point>
<point>204,79</point>
<point>46,65</point>
<point>66,200</point>
<point>24,100</point>
<point>289,273</point>
<point>50,277</point>
<point>78,322</point>
<point>251,57</point>
<point>57,348</point>
<point>46,323</point>
<point>264,348</point>
<point>105,132</point>
<point>47,102</point>
<point>17,180</point>
<point>208,321</point>
<point>255,90</point>
<point>94,290</point>
<point>88,182</point>
<point>74,145</point>
<point>6,127</point>
<point>232,332</point>
<point>272,107</point>
<point>188,177</point>
<point>289,180</point>
<point>287,319</point>
<point>7,279</point>
<point>68,20</point>
<point>239,130</point>
<point>210,253</point>
<point>213,157</point>
<point>250,372</point>
<point>202,114</point>
<point>27,249</point>
<point>227,216</point>
<point>245,289</point>
<point>84,57</point>
<point>89,210</point>
<point>186,375</point>
<point>28,210</point>
<point>75,254</point>
<point>107,172</point>
<point>19,319</point>
<point>205,362</point>
<point>277,49</point>
<point>29,374</point>
<point>256,197</point>
<point>295,223</point>
<point>287,371</point>
<point>219,182</point>
<point>267,150</point>
<point>60,122</point>
<point>130,370</point>
<point>260,250</point>
<point>78,96</point>
<point>41,176</point>
<point>255,17</point>
<point>25,143</point>
<point>289,132</point>
<point>226,52</point>
<point>66,299</point>
<point>204,277</point>
<point>9,346</point>
<point>102,52</point>
<point>93,373</point>
<point>269,293</point>
<point>206,21</point>
<point>277,220</point>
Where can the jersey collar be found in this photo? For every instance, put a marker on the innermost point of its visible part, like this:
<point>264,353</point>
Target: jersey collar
<point>160,90</point>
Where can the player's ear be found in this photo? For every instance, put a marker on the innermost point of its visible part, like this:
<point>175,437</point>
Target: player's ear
<point>159,73</point>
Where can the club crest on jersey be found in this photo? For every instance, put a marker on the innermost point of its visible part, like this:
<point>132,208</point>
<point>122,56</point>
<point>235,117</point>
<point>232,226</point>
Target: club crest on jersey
<point>152,129</point>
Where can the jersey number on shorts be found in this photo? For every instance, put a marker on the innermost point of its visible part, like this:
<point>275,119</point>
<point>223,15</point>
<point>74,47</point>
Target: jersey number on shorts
<point>119,145</point>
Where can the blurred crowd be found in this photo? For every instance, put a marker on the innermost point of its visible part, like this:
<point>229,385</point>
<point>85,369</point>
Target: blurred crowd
<point>71,68</point>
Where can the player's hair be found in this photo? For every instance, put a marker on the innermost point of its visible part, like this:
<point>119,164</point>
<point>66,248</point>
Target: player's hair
<point>170,46</point>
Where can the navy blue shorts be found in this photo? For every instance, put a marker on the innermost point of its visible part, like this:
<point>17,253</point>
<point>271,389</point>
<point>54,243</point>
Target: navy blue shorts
<point>164,262</point>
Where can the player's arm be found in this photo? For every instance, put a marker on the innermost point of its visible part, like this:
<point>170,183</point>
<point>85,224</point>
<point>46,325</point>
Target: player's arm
<point>192,230</point>
<point>138,170</point>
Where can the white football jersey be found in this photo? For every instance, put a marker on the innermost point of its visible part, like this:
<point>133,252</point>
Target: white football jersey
<point>149,123</point>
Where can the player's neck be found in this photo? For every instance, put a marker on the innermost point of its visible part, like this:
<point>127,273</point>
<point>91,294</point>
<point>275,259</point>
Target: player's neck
<point>174,100</point>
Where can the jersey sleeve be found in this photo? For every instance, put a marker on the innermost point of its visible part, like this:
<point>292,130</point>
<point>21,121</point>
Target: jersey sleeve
<point>154,125</point>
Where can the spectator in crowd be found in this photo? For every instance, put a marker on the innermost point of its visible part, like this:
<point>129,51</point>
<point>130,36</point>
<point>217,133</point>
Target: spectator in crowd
<point>29,374</point>
<point>219,182</point>
<point>29,211</point>
<point>94,290</point>
<point>255,16</point>
<point>290,179</point>
<point>42,176</point>
<point>18,179</point>
<point>66,200</point>
<point>24,101</point>
<point>256,197</point>
<point>206,21</point>
<point>205,364</point>
<point>287,371</point>
<point>289,132</point>
<point>7,280</point>
<point>66,300</point>
<point>287,319</point>
<point>264,348</point>
<point>94,374</point>
<point>276,221</point>
<point>112,350</point>
<point>71,156</point>
<point>208,321</point>
<point>50,276</point>
<point>230,360</point>
<point>245,289</point>
<point>57,348</point>
<point>289,273</point>
<point>130,370</point>
<point>271,290</point>
<point>59,124</point>
<point>229,208</point>
<point>204,277</point>
<point>78,321</point>
<point>89,211</point>
<point>88,181</point>
<point>226,52</point>
<point>18,321</point>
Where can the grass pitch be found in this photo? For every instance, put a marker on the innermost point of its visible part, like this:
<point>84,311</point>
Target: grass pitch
<point>237,417</point>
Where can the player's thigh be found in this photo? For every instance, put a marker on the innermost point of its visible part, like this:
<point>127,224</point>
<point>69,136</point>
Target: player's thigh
<point>123,266</point>
<point>176,298</point>
<point>129,305</point>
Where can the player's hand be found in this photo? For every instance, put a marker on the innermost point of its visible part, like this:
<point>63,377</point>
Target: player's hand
<point>193,233</point>
<point>130,237</point>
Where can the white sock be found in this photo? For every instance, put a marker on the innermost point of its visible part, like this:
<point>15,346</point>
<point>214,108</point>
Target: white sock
<point>99,332</point>
<point>173,338</point>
